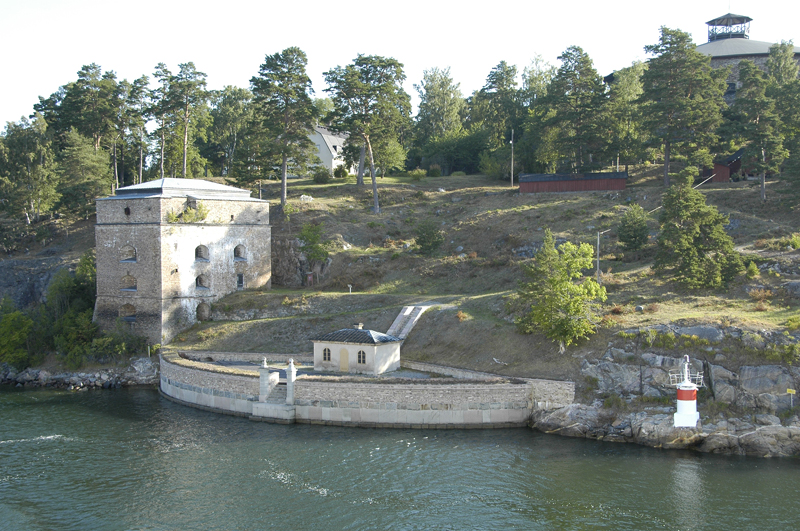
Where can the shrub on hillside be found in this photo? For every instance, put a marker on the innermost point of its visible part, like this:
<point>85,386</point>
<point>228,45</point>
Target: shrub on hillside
<point>633,231</point>
<point>458,174</point>
<point>429,237</point>
<point>435,171</point>
<point>321,175</point>
<point>340,172</point>
<point>417,174</point>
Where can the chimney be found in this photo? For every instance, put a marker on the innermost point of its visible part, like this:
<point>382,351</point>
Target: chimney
<point>358,326</point>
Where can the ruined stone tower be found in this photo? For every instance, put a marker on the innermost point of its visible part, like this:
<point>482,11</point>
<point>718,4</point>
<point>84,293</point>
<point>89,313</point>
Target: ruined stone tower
<point>167,249</point>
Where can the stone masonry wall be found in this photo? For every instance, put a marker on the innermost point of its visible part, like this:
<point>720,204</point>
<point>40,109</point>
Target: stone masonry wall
<point>211,381</point>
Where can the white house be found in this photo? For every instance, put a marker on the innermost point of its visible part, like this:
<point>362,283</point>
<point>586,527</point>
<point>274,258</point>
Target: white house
<point>330,147</point>
<point>355,350</point>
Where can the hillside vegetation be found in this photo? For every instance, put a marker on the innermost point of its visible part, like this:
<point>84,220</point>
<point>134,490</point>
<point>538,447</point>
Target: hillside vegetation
<point>490,229</point>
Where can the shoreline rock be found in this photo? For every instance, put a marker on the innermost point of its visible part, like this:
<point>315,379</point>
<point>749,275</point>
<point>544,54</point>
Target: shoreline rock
<point>762,436</point>
<point>141,371</point>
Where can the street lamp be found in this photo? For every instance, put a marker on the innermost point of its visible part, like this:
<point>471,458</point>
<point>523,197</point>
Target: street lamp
<point>512,158</point>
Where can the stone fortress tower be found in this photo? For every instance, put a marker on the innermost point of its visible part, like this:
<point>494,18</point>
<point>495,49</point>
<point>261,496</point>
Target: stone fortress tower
<point>167,249</point>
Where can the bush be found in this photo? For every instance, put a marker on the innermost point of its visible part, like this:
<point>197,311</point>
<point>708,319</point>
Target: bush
<point>340,172</point>
<point>458,174</point>
<point>435,171</point>
<point>793,323</point>
<point>429,237</point>
<point>417,174</point>
<point>752,270</point>
<point>321,175</point>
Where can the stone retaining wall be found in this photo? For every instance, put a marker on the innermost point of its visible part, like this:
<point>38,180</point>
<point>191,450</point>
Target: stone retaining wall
<point>215,391</point>
<point>252,357</point>
<point>546,394</point>
<point>413,405</point>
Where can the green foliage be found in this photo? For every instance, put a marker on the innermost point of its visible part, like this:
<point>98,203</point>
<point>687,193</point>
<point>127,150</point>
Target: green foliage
<point>313,244</point>
<point>458,174</point>
<point>497,163</point>
<point>752,270</point>
<point>321,175</point>
<point>434,171</point>
<point>340,172</point>
<point>558,300</point>
<point>692,242</point>
<point>682,97</point>
<point>441,107</point>
<point>15,327</point>
<point>429,237</point>
<point>417,174</point>
<point>633,232</point>
<point>793,323</point>
<point>189,214</point>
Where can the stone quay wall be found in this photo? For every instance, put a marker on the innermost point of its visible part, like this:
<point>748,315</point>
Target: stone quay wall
<point>211,390</point>
<point>252,357</point>
<point>546,394</point>
<point>423,405</point>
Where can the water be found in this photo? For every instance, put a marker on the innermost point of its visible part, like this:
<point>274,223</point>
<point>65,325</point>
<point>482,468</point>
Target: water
<point>129,459</point>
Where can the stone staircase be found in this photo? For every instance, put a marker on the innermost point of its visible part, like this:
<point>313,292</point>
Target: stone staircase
<point>406,320</point>
<point>277,395</point>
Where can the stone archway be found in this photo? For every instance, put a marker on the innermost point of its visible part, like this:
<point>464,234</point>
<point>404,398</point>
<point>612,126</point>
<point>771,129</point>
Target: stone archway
<point>203,312</point>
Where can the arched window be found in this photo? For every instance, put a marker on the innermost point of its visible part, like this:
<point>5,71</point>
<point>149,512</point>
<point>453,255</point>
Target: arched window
<point>127,254</point>
<point>326,354</point>
<point>362,357</point>
<point>201,253</point>
<point>239,253</point>
<point>128,283</point>
<point>203,312</point>
<point>127,312</point>
<point>202,282</point>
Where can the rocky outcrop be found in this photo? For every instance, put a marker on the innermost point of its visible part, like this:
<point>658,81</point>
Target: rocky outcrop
<point>762,436</point>
<point>141,371</point>
<point>25,281</point>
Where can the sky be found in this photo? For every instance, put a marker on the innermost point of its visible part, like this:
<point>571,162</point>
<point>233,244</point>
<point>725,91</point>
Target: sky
<point>46,42</point>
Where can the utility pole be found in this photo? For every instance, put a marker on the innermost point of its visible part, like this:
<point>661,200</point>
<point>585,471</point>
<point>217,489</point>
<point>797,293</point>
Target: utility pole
<point>512,157</point>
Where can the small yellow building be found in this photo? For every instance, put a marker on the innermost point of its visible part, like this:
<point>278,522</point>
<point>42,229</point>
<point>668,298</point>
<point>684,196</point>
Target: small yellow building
<point>356,351</point>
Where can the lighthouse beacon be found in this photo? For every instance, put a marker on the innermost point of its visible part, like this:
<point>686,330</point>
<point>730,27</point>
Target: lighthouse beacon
<point>687,384</point>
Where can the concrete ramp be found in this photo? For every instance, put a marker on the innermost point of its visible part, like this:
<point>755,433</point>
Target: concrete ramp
<point>406,320</point>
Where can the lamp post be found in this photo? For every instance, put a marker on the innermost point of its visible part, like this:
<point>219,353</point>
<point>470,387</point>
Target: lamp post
<point>512,158</point>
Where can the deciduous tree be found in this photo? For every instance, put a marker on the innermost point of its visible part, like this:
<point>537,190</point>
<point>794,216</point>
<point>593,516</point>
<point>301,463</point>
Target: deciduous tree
<point>558,300</point>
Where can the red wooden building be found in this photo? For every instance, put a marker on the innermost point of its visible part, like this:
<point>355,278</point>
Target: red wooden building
<point>532,183</point>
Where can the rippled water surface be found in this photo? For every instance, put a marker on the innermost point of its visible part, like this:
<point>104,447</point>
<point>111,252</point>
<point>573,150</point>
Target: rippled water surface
<point>129,459</point>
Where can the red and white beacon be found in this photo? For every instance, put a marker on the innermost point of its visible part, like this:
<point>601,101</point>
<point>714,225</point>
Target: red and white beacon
<point>687,384</point>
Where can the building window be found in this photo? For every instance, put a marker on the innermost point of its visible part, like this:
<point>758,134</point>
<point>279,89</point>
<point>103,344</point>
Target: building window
<point>127,313</point>
<point>201,253</point>
<point>239,254</point>
<point>326,354</point>
<point>127,254</point>
<point>203,312</point>
<point>127,211</point>
<point>202,282</point>
<point>362,357</point>
<point>128,283</point>
<point>240,281</point>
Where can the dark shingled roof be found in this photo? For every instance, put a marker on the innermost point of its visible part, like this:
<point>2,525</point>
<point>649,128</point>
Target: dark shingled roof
<point>353,335</point>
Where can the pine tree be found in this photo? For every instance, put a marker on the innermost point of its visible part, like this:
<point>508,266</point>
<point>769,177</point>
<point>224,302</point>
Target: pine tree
<point>633,232</point>
<point>682,97</point>
<point>692,242</point>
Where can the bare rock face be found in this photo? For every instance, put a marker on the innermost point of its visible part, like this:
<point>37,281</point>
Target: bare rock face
<point>26,281</point>
<point>288,263</point>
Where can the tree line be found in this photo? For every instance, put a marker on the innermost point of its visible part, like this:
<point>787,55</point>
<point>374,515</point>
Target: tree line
<point>97,132</point>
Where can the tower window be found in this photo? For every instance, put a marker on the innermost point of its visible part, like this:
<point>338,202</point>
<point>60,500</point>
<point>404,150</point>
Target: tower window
<point>127,254</point>
<point>128,283</point>
<point>201,253</point>
<point>202,282</point>
<point>127,312</point>
<point>239,253</point>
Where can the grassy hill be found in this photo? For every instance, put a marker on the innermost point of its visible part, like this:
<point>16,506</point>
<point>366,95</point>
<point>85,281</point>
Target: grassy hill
<point>494,225</point>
